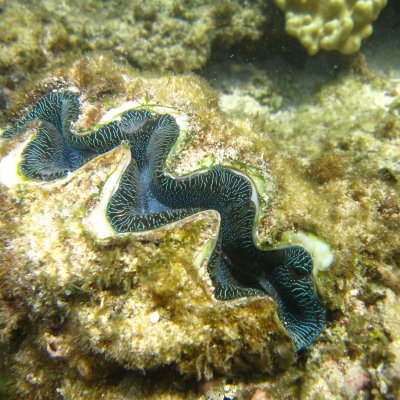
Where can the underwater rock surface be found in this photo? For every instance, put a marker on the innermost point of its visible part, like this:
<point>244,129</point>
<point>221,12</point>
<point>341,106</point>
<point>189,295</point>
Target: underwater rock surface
<point>158,35</point>
<point>327,167</point>
<point>170,35</point>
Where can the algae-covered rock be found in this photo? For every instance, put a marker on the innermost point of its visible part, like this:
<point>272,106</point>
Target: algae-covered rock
<point>329,164</point>
<point>160,35</point>
<point>91,302</point>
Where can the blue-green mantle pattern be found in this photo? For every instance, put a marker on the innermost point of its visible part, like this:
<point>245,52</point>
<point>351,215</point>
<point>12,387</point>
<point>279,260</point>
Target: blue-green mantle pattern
<point>147,198</point>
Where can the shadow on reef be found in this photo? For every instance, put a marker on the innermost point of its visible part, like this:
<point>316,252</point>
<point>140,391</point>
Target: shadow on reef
<point>147,197</point>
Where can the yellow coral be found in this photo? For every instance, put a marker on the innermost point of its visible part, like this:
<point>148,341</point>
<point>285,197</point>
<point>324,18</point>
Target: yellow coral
<point>332,24</point>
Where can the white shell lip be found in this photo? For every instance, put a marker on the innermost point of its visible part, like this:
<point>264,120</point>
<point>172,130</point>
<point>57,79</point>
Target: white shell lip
<point>96,222</point>
<point>11,177</point>
<point>9,165</point>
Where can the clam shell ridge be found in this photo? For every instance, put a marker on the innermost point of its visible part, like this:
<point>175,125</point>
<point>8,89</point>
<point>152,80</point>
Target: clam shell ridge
<point>147,197</point>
